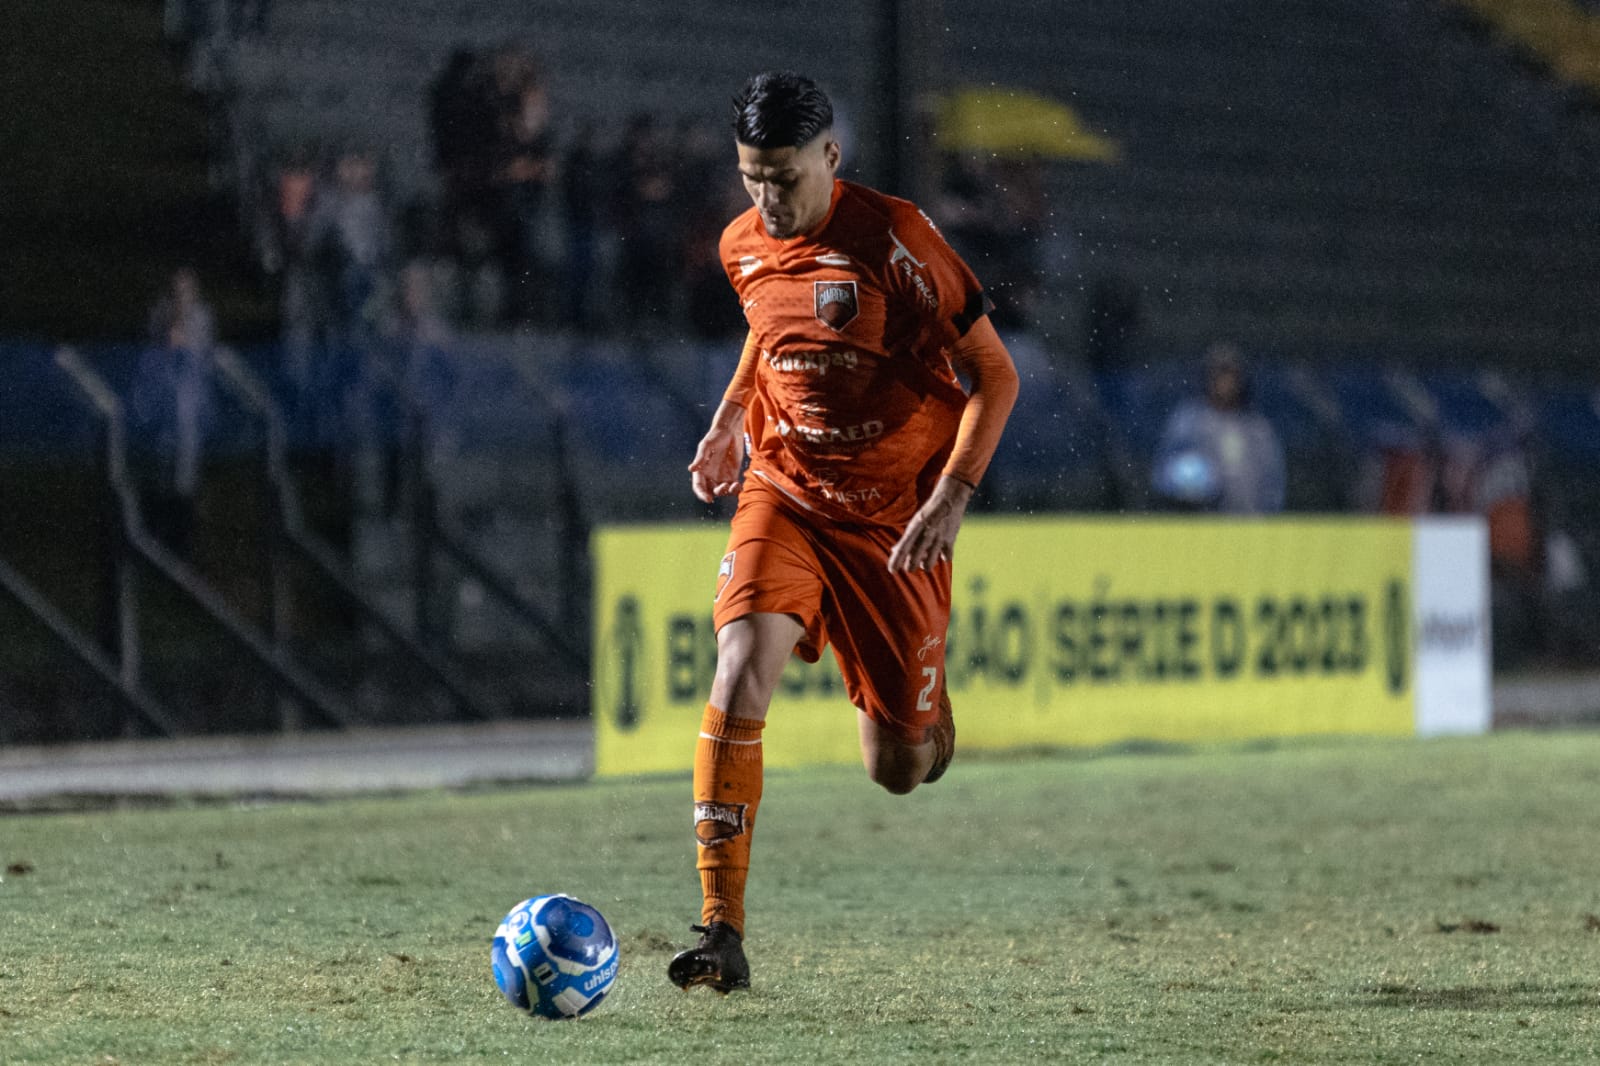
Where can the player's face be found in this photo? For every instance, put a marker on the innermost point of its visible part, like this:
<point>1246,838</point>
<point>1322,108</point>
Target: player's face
<point>791,187</point>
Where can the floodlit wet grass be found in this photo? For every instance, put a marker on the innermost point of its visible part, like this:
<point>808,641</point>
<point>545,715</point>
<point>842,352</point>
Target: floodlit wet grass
<point>1320,902</point>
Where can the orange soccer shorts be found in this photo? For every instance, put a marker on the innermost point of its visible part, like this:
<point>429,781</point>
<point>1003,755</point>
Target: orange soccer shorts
<point>887,630</point>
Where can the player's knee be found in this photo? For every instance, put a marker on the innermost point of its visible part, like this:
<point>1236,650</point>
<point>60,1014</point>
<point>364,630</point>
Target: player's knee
<point>895,784</point>
<point>750,661</point>
<point>895,776</point>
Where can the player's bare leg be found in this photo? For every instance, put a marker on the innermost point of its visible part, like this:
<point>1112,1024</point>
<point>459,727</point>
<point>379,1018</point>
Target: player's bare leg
<point>751,653</point>
<point>944,738</point>
<point>900,767</point>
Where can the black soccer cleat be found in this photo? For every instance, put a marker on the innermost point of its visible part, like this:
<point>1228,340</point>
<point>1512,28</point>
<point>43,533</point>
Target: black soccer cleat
<point>944,740</point>
<point>717,961</point>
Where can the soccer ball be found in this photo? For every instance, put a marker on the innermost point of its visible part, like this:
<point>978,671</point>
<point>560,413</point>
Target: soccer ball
<point>554,957</point>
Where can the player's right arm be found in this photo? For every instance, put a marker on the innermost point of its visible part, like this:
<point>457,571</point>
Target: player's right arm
<point>719,460</point>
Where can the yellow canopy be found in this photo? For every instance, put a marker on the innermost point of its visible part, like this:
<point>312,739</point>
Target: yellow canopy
<point>1016,122</point>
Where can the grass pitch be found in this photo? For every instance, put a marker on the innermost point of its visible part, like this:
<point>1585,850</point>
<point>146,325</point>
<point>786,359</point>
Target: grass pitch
<point>1324,902</point>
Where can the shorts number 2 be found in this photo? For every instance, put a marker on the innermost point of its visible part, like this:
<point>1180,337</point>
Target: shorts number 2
<point>924,703</point>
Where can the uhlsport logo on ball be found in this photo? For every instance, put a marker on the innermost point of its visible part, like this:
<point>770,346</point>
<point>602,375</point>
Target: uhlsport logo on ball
<point>554,957</point>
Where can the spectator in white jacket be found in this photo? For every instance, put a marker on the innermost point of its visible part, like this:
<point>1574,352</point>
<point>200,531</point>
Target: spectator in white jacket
<point>1218,453</point>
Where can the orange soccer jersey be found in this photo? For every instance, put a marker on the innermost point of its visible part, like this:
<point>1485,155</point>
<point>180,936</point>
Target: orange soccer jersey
<point>854,404</point>
<point>852,409</point>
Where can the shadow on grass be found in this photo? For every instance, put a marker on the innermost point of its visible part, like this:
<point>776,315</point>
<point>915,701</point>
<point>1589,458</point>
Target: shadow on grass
<point>1519,996</point>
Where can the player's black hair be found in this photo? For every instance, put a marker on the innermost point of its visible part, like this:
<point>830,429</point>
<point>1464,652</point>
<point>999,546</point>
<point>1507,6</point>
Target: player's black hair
<point>781,109</point>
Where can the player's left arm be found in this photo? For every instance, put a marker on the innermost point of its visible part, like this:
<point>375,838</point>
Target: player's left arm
<point>719,458</point>
<point>982,358</point>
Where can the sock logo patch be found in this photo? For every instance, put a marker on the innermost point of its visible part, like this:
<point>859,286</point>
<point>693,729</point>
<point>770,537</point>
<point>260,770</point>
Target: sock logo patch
<point>716,822</point>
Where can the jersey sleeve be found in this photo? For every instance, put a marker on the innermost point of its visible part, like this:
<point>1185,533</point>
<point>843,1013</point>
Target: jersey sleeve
<point>743,382</point>
<point>926,271</point>
<point>727,255</point>
<point>983,356</point>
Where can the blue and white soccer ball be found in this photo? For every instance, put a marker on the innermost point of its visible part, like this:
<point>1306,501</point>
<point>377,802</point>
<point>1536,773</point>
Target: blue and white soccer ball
<point>554,957</point>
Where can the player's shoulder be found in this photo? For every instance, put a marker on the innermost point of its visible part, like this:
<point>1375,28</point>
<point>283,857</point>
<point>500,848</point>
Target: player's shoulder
<point>891,220</point>
<point>741,237</point>
<point>867,211</point>
<point>745,227</point>
<point>893,210</point>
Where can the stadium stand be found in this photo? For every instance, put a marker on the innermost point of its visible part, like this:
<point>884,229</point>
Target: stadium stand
<point>1318,178</point>
<point>1313,177</point>
<point>109,181</point>
<point>1378,206</point>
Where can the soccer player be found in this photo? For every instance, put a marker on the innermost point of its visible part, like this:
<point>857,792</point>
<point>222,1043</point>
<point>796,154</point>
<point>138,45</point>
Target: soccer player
<point>864,449</point>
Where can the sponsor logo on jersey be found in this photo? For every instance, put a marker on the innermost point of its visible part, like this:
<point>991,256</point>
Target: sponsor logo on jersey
<point>836,303</point>
<point>832,434</point>
<point>909,265</point>
<point>834,259</point>
<point>748,265</point>
<point>902,254</point>
<point>850,496</point>
<point>724,574</point>
<point>818,363</point>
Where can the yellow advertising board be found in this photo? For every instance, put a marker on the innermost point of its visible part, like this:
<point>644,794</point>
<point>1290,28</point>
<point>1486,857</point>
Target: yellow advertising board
<point>1064,632</point>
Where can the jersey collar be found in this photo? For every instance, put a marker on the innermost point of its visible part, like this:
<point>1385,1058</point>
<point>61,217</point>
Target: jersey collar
<point>812,234</point>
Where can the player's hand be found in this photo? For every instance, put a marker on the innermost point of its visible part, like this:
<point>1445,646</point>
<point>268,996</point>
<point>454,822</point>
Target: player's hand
<point>718,461</point>
<point>930,536</point>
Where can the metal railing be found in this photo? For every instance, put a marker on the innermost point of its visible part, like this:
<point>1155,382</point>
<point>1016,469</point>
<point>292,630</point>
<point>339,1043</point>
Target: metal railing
<point>434,535</point>
<point>133,547</point>
<point>292,536</point>
<point>135,701</point>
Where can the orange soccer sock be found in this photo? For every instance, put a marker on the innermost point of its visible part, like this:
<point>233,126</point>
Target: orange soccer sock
<point>727,791</point>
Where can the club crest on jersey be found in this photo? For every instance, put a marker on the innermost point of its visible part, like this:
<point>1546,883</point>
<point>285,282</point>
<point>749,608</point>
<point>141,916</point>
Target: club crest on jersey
<point>724,574</point>
<point>836,303</point>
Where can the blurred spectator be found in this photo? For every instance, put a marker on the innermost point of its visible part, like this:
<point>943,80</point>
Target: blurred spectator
<point>405,387</point>
<point>1407,474</point>
<point>646,213</point>
<point>1569,611</point>
<point>204,33</point>
<point>972,219</point>
<point>495,152</point>
<point>461,123</point>
<point>996,213</point>
<point>349,241</point>
<point>171,408</point>
<point>182,312</point>
<point>1112,318</point>
<point>523,168</point>
<point>1490,475</point>
<point>580,204</point>
<point>1217,452</point>
<point>712,196</point>
<point>289,197</point>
